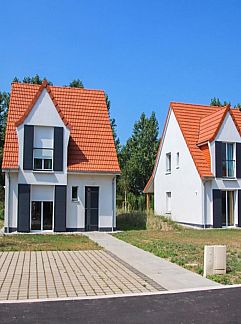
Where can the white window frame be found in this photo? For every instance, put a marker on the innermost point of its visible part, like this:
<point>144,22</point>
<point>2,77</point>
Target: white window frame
<point>77,194</point>
<point>168,163</point>
<point>42,159</point>
<point>168,202</point>
<point>41,216</point>
<point>177,160</point>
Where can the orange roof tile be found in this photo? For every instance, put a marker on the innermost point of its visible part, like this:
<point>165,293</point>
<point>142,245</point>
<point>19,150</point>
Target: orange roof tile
<point>199,124</point>
<point>91,145</point>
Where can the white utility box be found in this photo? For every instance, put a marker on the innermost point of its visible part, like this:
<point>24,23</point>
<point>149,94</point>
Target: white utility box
<point>214,260</point>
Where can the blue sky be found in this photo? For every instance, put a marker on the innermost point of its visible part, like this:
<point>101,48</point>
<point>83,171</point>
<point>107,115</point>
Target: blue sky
<point>144,54</point>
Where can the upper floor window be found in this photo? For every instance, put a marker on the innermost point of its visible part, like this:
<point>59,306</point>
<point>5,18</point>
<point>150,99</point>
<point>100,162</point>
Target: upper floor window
<point>228,162</point>
<point>43,159</point>
<point>168,163</point>
<point>43,148</point>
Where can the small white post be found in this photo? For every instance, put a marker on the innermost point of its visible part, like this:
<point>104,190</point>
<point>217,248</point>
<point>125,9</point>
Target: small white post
<point>214,260</point>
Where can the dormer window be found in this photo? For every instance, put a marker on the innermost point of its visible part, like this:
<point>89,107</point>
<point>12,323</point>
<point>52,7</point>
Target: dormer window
<point>43,148</point>
<point>228,162</point>
<point>43,159</point>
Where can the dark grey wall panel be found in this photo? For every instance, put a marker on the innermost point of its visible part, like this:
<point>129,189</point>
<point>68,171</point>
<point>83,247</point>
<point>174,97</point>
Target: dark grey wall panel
<point>238,160</point>
<point>217,208</point>
<point>239,208</point>
<point>60,209</point>
<point>28,147</point>
<point>58,148</point>
<point>23,208</point>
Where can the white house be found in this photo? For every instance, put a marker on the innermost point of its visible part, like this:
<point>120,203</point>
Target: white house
<point>196,179</point>
<point>59,160</point>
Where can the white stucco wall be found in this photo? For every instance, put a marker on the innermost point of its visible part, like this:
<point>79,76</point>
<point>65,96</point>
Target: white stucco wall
<point>76,210</point>
<point>184,182</point>
<point>43,114</point>
<point>11,200</point>
<point>75,216</point>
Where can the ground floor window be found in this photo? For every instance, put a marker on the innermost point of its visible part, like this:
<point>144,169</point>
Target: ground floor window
<point>168,202</point>
<point>227,208</point>
<point>42,215</point>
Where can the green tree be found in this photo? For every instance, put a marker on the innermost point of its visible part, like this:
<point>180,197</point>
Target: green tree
<point>76,83</point>
<point>216,102</point>
<point>137,157</point>
<point>34,80</point>
<point>4,103</point>
<point>113,126</point>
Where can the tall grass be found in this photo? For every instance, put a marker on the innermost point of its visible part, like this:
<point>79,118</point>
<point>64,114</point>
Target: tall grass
<point>141,220</point>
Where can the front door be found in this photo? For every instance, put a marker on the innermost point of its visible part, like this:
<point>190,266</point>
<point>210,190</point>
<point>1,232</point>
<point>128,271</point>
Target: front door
<point>91,208</point>
<point>42,216</point>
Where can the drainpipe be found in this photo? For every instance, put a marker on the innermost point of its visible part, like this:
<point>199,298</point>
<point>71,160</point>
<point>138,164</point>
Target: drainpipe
<point>204,203</point>
<point>7,202</point>
<point>113,202</point>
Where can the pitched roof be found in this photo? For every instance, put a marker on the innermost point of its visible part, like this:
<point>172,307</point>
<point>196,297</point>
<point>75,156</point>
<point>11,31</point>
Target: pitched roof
<point>209,125</point>
<point>91,145</point>
<point>199,124</point>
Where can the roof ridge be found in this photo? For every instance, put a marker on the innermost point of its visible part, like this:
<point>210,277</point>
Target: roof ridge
<point>197,105</point>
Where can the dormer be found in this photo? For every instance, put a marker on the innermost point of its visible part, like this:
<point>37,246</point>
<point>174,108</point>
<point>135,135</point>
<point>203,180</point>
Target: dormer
<point>43,136</point>
<point>220,138</point>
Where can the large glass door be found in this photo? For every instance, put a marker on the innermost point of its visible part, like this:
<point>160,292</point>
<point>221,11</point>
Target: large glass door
<point>42,216</point>
<point>227,208</point>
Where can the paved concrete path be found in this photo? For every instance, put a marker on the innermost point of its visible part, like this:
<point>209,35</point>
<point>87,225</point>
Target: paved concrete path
<point>58,274</point>
<point>167,274</point>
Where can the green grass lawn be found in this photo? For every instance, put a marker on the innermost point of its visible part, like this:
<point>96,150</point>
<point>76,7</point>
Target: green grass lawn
<point>46,242</point>
<point>185,247</point>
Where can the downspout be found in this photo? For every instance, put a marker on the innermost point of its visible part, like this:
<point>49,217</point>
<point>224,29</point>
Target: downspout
<point>7,202</point>
<point>204,203</point>
<point>113,202</point>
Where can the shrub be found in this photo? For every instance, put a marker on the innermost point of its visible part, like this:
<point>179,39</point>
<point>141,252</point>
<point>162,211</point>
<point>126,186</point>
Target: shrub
<point>131,221</point>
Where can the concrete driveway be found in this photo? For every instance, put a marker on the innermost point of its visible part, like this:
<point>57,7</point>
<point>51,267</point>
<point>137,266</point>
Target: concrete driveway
<point>55,274</point>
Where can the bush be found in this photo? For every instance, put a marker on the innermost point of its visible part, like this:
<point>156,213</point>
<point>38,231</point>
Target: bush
<point>131,221</point>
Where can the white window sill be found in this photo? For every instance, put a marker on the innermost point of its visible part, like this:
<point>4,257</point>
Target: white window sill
<point>75,201</point>
<point>43,171</point>
<point>229,179</point>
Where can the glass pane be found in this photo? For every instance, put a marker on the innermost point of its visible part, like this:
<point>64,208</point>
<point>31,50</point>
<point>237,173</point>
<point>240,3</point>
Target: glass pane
<point>224,168</point>
<point>230,208</point>
<point>47,164</point>
<point>47,215</point>
<point>230,168</point>
<point>74,193</point>
<point>230,151</point>
<point>223,208</point>
<point>37,164</point>
<point>43,153</point>
<point>36,216</point>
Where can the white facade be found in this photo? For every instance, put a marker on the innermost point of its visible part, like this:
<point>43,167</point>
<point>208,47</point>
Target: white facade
<point>107,202</point>
<point>75,216</point>
<point>183,182</point>
<point>181,193</point>
<point>45,117</point>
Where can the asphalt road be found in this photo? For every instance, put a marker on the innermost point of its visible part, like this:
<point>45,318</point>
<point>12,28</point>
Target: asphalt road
<point>212,306</point>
